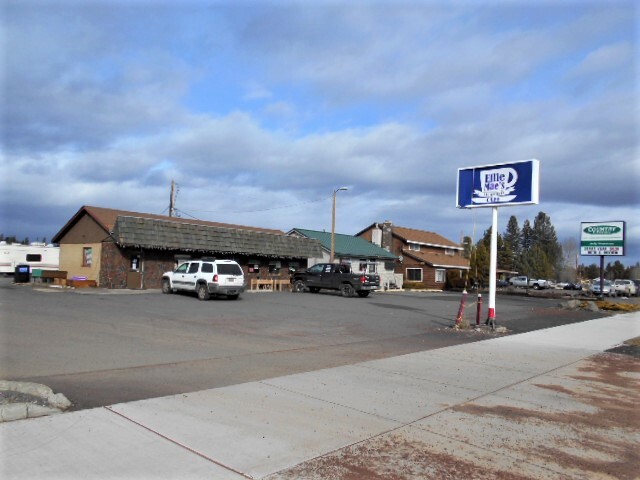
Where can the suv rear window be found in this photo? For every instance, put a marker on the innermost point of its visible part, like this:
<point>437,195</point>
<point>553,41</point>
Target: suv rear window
<point>229,269</point>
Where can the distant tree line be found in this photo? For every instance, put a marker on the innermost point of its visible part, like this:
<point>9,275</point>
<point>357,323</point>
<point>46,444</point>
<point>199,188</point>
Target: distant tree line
<point>534,251</point>
<point>14,239</point>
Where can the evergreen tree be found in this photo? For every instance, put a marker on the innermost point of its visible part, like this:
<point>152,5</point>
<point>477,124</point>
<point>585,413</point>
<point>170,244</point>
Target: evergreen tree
<point>526,237</point>
<point>615,270</point>
<point>480,264</point>
<point>544,237</point>
<point>481,260</point>
<point>512,242</point>
<point>505,255</point>
<point>591,271</point>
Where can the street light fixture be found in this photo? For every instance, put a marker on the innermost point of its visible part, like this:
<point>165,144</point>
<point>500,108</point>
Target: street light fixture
<point>333,224</point>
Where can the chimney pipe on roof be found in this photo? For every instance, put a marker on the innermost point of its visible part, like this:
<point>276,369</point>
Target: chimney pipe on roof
<point>387,235</point>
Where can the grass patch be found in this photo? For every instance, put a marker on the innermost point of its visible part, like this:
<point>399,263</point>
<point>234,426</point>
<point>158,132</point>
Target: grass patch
<point>633,341</point>
<point>617,307</point>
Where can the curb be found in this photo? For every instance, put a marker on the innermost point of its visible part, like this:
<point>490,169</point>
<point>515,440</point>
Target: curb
<point>27,407</point>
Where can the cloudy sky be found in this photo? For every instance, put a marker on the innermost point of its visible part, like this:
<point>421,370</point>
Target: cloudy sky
<point>260,109</point>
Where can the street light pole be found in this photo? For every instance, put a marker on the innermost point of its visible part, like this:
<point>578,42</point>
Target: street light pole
<point>333,224</point>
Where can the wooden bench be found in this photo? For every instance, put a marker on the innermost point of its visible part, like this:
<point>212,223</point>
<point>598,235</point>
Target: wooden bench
<point>258,284</point>
<point>282,284</point>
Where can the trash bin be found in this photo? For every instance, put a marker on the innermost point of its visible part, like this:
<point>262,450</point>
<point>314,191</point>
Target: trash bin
<point>22,274</point>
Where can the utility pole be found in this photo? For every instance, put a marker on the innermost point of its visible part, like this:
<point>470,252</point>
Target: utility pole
<point>333,224</point>
<point>172,199</point>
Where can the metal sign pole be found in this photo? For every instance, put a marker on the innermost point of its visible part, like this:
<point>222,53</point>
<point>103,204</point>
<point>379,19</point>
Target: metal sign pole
<point>493,266</point>
<point>601,277</point>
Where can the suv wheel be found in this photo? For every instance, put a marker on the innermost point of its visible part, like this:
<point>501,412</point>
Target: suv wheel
<point>203,292</point>
<point>166,286</point>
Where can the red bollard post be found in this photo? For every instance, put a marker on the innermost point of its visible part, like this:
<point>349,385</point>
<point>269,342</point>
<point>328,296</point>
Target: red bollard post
<point>463,302</point>
<point>479,311</point>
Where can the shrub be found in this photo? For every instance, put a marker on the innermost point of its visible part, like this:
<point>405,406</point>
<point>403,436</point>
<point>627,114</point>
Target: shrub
<point>414,286</point>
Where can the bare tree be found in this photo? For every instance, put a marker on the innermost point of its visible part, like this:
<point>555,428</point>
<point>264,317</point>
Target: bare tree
<point>569,260</point>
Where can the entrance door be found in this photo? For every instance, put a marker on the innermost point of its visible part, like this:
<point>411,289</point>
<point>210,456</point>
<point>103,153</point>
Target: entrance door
<point>134,276</point>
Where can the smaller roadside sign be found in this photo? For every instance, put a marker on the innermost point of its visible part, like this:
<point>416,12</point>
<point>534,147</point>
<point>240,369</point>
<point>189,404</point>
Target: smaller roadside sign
<point>602,238</point>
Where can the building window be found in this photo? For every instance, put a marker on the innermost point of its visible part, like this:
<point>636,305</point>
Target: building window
<point>440,276</point>
<point>293,267</point>
<point>414,274</point>
<point>449,252</point>
<point>414,246</point>
<point>275,266</point>
<point>87,256</point>
<point>135,262</point>
<point>367,266</point>
<point>34,257</point>
<point>254,266</point>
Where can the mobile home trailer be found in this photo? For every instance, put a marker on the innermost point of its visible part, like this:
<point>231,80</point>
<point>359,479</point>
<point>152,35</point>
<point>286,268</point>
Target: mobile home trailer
<point>36,255</point>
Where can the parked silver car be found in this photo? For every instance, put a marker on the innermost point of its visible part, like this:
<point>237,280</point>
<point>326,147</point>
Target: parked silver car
<point>607,288</point>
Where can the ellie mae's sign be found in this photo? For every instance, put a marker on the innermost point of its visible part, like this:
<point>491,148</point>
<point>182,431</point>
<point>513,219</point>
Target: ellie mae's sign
<point>602,238</point>
<point>504,184</point>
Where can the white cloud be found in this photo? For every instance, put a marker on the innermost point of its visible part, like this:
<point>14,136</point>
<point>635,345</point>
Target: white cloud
<point>605,58</point>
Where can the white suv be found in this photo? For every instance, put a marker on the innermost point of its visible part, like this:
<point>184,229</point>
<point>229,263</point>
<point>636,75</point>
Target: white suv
<point>625,287</point>
<point>206,278</point>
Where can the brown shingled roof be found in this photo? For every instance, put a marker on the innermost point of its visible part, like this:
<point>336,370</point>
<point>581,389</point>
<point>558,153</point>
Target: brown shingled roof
<point>106,218</point>
<point>422,236</point>
<point>170,235</point>
<point>439,259</point>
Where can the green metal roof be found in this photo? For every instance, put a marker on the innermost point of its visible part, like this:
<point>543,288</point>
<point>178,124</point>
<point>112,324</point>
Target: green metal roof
<point>348,245</point>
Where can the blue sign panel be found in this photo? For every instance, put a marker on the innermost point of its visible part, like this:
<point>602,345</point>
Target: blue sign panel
<point>499,185</point>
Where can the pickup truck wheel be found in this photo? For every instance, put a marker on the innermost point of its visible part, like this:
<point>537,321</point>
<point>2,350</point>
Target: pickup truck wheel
<point>363,294</point>
<point>298,286</point>
<point>166,286</point>
<point>347,290</point>
<point>203,292</point>
<point>536,286</point>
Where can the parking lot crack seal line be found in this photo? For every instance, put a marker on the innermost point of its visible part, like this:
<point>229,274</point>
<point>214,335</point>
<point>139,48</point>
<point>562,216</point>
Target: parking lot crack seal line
<point>181,445</point>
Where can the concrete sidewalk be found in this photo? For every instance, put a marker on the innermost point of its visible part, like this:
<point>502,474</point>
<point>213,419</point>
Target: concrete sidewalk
<point>544,404</point>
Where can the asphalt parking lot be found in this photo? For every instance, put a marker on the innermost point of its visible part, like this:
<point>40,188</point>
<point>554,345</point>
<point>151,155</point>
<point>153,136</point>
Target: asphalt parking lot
<point>104,347</point>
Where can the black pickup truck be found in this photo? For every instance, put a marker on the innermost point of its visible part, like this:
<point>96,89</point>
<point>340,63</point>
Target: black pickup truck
<point>333,276</point>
